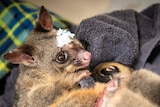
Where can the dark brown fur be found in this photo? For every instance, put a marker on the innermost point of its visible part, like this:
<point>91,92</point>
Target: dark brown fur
<point>43,77</point>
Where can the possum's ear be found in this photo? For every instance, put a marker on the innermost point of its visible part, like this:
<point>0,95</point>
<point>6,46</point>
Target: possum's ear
<point>21,55</point>
<point>44,21</point>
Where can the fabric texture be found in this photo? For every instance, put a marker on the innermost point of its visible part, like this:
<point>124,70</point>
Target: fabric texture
<point>125,36</point>
<point>16,21</point>
<point>6,99</point>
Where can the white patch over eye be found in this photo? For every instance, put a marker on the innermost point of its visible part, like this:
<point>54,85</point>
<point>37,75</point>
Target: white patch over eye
<point>64,37</point>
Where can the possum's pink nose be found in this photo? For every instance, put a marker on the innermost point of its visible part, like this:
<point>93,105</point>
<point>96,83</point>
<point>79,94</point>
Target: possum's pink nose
<point>86,57</point>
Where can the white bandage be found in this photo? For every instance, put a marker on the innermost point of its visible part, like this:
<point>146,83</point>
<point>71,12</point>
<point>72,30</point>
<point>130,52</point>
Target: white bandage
<point>64,37</point>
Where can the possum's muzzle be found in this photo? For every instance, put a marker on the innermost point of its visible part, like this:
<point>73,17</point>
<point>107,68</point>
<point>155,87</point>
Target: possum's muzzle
<point>83,59</point>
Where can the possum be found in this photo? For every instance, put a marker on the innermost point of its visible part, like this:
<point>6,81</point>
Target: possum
<point>104,71</point>
<point>135,86</point>
<point>117,95</point>
<point>146,83</point>
<point>84,97</point>
<point>126,88</point>
<point>49,67</point>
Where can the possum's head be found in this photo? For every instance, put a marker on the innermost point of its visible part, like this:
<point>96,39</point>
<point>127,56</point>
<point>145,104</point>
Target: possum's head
<point>44,50</point>
<point>104,72</point>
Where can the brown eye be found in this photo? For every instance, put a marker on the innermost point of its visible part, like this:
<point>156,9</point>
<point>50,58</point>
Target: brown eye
<point>109,70</point>
<point>61,57</point>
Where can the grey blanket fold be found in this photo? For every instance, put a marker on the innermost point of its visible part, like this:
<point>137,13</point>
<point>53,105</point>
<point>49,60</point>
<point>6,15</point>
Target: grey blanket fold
<point>124,36</point>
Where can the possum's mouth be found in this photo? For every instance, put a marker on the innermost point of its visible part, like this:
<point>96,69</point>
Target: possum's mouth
<point>83,68</point>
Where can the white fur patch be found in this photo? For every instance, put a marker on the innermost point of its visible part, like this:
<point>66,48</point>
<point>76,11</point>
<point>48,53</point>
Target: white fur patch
<point>64,37</point>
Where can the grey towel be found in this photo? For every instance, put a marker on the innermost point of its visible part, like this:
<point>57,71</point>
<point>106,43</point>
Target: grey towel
<point>124,36</point>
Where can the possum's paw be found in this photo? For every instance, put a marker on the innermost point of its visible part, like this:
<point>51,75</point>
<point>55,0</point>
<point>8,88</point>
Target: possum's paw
<point>81,75</point>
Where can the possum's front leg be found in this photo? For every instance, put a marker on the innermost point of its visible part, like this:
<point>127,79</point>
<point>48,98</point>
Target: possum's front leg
<point>73,78</point>
<point>81,74</point>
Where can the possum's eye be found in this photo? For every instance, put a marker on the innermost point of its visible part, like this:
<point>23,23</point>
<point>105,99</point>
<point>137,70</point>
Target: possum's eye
<point>112,69</point>
<point>109,70</point>
<point>61,57</point>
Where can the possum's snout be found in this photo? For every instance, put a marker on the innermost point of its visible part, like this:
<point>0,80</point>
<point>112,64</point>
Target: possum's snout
<point>85,57</point>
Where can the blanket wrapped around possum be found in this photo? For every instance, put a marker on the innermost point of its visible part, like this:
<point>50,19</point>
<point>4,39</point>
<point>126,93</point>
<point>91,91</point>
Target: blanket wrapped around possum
<point>124,36</point>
